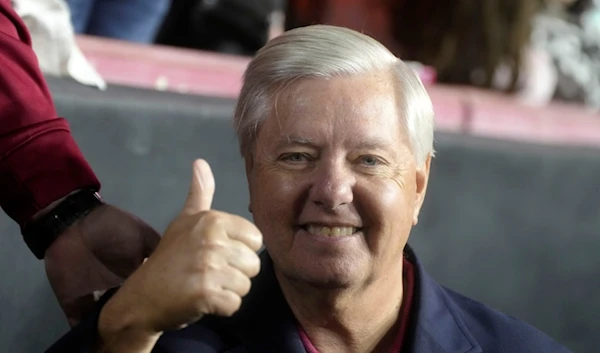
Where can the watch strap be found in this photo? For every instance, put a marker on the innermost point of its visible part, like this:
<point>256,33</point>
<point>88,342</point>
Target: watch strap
<point>41,233</point>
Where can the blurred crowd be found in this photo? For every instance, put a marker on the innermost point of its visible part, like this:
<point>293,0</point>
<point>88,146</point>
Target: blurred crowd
<point>538,50</point>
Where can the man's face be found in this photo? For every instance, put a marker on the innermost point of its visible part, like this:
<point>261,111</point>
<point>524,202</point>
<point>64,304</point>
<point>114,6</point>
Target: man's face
<point>334,187</point>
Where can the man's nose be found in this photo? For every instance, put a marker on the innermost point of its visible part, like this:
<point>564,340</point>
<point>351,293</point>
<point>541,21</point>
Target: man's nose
<point>332,185</point>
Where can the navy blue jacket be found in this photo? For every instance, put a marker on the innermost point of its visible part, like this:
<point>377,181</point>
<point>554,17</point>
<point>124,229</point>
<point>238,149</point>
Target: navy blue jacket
<point>442,322</point>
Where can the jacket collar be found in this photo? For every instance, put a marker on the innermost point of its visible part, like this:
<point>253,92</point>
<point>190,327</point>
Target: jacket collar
<point>437,324</point>
<point>265,323</point>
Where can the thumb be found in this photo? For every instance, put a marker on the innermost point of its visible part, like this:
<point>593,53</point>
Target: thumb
<point>202,188</point>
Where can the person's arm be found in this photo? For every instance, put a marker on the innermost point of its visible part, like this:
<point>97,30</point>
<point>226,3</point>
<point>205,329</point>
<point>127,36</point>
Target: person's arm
<point>47,186</point>
<point>40,162</point>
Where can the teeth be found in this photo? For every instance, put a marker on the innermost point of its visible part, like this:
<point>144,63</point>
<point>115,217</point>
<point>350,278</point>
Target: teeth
<point>330,231</point>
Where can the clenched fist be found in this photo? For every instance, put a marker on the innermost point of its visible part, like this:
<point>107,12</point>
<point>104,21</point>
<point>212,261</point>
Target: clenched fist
<point>202,265</point>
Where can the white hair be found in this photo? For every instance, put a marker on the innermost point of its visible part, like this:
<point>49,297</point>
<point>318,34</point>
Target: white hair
<point>323,51</point>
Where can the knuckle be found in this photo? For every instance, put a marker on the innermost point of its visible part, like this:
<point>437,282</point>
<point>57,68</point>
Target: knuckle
<point>257,240</point>
<point>253,267</point>
<point>233,305</point>
<point>211,219</point>
<point>203,290</point>
<point>249,234</point>
<point>249,262</point>
<point>245,286</point>
<point>210,230</point>
<point>209,240</point>
<point>214,243</point>
<point>253,236</point>
<point>204,306</point>
<point>207,263</point>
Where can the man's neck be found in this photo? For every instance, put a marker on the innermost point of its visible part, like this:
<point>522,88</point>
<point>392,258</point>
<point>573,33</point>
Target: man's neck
<point>354,321</point>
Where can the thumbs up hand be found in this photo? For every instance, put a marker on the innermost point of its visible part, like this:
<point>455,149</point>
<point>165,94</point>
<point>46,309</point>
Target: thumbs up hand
<point>202,265</point>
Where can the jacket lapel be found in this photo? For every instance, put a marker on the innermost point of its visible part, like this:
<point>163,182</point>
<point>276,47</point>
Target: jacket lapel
<point>438,327</point>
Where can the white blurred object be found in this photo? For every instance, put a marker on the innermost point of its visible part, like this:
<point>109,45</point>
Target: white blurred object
<point>276,24</point>
<point>539,78</point>
<point>53,38</point>
<point>573,44</point>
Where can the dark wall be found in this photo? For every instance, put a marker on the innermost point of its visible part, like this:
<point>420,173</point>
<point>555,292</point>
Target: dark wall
<point>513,225</point>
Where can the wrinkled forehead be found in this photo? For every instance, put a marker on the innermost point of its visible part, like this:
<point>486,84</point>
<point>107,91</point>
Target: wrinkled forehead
<point>356,107</point>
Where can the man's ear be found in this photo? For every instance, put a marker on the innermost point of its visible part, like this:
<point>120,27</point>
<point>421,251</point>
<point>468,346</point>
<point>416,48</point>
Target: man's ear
<point>422,180</point>
<point>249,164</point>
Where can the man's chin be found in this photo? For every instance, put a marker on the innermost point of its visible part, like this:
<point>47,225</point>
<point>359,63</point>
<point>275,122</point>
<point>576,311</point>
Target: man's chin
<point>326,279</point>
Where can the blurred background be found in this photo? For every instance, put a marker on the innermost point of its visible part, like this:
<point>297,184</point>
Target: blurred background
<point>512,217</point>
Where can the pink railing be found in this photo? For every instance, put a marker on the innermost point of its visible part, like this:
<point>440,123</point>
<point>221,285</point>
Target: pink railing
<point>460,109</point>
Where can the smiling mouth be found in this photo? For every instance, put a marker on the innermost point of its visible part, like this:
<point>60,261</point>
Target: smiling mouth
<point>330,231</point>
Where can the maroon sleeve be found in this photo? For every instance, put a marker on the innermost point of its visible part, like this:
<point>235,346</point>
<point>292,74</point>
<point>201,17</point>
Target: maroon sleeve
<point>39,160</point>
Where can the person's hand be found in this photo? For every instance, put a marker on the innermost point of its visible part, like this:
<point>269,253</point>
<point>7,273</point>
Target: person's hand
<point>96,253</point>
<point>202,266</point>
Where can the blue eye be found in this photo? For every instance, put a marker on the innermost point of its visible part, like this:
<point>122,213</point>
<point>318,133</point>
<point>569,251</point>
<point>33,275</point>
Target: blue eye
<point>370,160</point>
<point>294,157</point>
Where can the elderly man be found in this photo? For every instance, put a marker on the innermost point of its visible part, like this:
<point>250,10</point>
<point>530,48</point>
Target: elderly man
<point>337,138</point>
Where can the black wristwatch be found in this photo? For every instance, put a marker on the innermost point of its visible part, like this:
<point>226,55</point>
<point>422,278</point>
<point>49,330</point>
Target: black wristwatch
<point>39,235</point>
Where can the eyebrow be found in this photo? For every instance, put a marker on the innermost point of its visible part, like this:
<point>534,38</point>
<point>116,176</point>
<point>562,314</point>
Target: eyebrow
<point>288,140</point>
<point>373,145</point>
<point>297,140</point>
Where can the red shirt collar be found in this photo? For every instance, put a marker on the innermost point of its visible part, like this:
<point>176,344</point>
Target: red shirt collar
<point>408,274</point>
